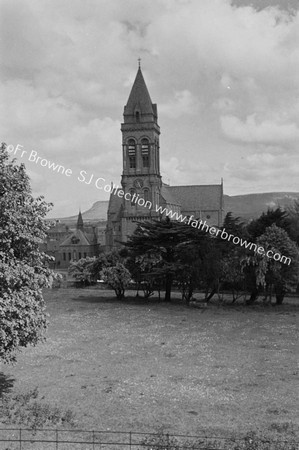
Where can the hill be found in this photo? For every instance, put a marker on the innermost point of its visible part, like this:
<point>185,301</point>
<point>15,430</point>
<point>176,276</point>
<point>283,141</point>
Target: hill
<point>251,206</point>
<point>97,213</point>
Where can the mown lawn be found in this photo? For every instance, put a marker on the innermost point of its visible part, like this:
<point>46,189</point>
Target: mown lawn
<point>143,366</point>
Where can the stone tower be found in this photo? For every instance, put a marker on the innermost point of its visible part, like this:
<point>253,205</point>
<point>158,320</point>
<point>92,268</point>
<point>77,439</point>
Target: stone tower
<point>142,191</point>
<point>141,158</point>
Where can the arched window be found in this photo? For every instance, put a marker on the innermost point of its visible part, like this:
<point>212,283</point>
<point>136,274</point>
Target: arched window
<point>146,195</point>
<point>145,152</point>
<point>132,192</point>
<point>137,116</point>
<point>132,153</point>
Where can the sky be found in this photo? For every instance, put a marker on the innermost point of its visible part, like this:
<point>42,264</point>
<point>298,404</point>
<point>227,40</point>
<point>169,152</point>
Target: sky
<point>224,74</point>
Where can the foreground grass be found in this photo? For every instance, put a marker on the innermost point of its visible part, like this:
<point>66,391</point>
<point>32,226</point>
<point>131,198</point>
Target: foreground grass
<point>142,366</point>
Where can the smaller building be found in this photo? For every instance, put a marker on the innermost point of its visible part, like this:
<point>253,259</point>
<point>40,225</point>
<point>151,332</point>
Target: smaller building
<point>66,244</point>
<point>81,243</point>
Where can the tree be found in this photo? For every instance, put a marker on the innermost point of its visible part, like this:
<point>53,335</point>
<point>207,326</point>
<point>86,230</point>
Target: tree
<point>118,278</point>
<point>233,274</point>
<point>293,216</point>
<point>81,270</point>
<point>273,216</point>
<point>255,229</point>
<point>23,267</point>
<point>109,259</point>
<point>269,272</point>
<point>177,252</point>
<point>163,239</point>
<point>141,268</point>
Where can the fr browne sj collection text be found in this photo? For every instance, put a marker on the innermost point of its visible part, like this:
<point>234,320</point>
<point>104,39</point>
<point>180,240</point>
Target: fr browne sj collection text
<point>83,177</point>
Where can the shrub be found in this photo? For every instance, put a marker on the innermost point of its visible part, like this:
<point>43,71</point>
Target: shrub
<point>118,278</point>
<point>162,441</point>
<point>25,409</point>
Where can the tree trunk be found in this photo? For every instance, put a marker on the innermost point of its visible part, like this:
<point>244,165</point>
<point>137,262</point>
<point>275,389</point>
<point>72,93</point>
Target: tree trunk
<point>254,295</point>
<point>190,292</point>
<point>168,285</point>
<point>212,293</point>
<point>280,293</point>
<point>120,293</point>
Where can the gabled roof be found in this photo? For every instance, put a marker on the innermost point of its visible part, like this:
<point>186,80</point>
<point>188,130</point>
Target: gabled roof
<point>79,235</point>
<point>197,197</point>
<point>139,97</point>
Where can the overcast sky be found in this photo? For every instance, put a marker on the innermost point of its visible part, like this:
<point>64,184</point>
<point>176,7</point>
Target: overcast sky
<point>224,74</point>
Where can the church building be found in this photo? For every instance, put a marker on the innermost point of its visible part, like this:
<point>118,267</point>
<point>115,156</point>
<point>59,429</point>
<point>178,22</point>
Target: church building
<point>144,195</point>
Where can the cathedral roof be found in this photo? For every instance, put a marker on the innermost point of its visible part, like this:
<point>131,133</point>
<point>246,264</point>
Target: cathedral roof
<point>168,196</point>
<point>197,197</point>
<point>139,97</point>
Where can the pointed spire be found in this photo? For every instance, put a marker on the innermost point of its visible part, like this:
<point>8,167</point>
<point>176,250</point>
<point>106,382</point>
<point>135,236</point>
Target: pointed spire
<point>139,98</point>
<point>80,224</point>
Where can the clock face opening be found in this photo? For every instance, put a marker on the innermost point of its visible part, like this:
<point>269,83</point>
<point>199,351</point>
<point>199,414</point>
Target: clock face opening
<point>138,183</point>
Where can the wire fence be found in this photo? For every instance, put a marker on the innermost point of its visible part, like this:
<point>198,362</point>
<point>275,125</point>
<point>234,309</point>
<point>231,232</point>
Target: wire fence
<point>54,439</point>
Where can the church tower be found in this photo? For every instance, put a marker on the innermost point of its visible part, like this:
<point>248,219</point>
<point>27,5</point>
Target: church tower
<point>141,158</point>
<point>142,189</point>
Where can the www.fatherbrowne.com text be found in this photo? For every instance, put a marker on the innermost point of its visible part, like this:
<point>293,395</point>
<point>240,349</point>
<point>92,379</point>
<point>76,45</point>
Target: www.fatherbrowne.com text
<point>139,200</point>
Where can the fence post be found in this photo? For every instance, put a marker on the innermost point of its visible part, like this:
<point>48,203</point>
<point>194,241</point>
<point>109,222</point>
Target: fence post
<point>56,439</point>
<point>20,438</point>
<point>93,440</point>
<point>130,440</point>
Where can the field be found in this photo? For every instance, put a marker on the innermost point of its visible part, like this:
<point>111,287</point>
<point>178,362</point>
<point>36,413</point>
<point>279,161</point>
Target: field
<point>146,366</point>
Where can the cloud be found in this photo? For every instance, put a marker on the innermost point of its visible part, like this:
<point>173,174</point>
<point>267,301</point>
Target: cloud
<point>225,79</point>
<point>224,104</point>
<point>182,103</point>
<point>97,141</point>
<point>250,131</point>
<point>257,172</point>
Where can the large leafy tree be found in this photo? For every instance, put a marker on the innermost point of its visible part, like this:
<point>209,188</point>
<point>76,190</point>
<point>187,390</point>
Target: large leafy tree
<point>161,239</point>
<point>109,259</point>
<point>176,252</point>
<point>273,216</point>
<point>23,267</point>
<point>81,270</point>
<point>281,275</point>
<point>255,229</point>
<point>141,268</point>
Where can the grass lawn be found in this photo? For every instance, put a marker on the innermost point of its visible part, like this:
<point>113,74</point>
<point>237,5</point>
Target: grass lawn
<point>144,365</point>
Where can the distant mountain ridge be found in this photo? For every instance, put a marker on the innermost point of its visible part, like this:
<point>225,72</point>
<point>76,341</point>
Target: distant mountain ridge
<point>97,213</point>
<point>251,206</point>
<point>248,206</point>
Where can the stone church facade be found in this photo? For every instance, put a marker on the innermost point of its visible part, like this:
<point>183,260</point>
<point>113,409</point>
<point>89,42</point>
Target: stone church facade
<point>143,190</point>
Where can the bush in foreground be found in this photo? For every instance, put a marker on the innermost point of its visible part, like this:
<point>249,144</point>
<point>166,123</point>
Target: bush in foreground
<point>253,442</point>
<point>27,410</point>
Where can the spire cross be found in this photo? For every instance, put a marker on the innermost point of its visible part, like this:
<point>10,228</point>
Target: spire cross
<point>139,61</point>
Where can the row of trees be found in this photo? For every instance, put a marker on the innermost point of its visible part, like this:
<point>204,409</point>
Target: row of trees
<point>163,254</point>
